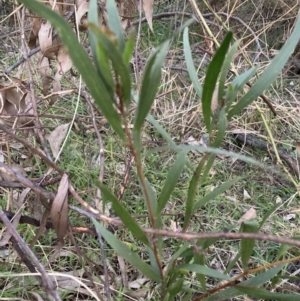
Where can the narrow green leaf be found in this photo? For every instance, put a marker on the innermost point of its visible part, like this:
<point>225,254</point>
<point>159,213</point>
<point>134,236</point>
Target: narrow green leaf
<point>268,214</point>
<point>150,83</point>
<point>225,68</point>
<point>284,248</point>
<point>108,48</point>
<point>263,294</point>
<point>258,280</point>
<point>263,277</point>
<point>101,62</point>
<point>199,259</point>
<point>217,191</point>
<point>207,168</point>
<point>177,254</point>
<point>171,181</point>
<point>152,196</point>
<point>189,63</point>
<point>212,150</point>
<point>200,269</point>
<point>126,253</point>
<point>243,78</point>
<point>211,78</point>
<point>82,62</point>
<point>129,48</point>
<point>236,85</point>
<point>270,73</point>
<point>153,262</point>
<point>93,12</point>
<point>247,245</point>
<point>99,55</point>
<point>175,288</point>
<point>114,23</point>
<point>192,190</point>
<point>124,215</point>
<point>222,126</point>
<point>93,18</point>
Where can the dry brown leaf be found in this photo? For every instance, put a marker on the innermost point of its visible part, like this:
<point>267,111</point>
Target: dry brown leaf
<point>56,6</point>
<point>59,209</point>
<point>138,283</point>
<point>56,138</point>
<point>250,214</point>
<point>45,39</point>
<point>35,28</point>
<point>45,71</point>
<point>298,147</point>
<point>148,9</point>
<point>123,270</point>
<point>13,101</point>
<point>139,293</point>
<point>81,11</point>
<point>64,64</point>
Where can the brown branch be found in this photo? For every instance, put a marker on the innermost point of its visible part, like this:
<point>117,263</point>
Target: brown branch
<point>24,219</point>
<point>126,178</point>
<point>192,236</point>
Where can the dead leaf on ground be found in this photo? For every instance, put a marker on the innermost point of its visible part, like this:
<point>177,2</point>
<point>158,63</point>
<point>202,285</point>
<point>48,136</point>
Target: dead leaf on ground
<point>289,217</point>
<point>123,270</point>
<point>13,100</point>
<point>45,39</point>
<point>246,195</point>
<point>56,138</point>
<point>64,64</point>
<point>250,214</point>
<point>298,147</point>
<point>82,9</point>
<point>59,209</point>
<point>148,9</point>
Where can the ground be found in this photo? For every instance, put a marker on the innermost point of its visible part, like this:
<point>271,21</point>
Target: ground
<point>270,187</point>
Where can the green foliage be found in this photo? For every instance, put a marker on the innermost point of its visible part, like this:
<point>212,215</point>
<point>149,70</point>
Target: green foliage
<point>109,82</point>
<point>247,245</point>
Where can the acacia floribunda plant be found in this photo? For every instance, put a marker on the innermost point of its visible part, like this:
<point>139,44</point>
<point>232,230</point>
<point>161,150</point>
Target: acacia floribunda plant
<point>108,79</point>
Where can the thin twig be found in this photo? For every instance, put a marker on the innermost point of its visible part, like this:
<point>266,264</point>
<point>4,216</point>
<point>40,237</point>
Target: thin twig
<point>33,149</point>
<point>9,171</point>
<point>37,122</point>
<point>126,178</point>
<point>192,236</point>
<point>46,281</point>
